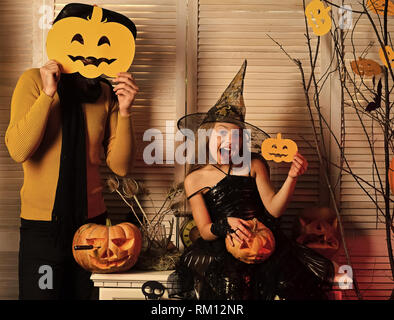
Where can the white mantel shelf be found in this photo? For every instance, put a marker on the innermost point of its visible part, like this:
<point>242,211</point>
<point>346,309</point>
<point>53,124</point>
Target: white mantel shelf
<point>127,285</point>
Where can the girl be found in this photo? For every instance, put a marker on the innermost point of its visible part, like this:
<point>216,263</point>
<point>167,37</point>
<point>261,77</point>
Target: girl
<point>223,195</point>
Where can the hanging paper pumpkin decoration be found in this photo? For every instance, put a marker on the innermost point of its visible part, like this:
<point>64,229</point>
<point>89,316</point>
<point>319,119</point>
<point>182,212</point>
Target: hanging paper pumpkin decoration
<point>107,249</point>
<point>390,56</point>
<point>317,228</point>
<point>101,43</point>
<point>279,149</point>
<point>377,6</point>
<point>258,248</point>
<point>366,67</point>
<point>391,175</point>
<point>318,17</point>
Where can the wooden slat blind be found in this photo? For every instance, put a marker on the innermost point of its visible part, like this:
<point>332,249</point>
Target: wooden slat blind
<point>15,56</point>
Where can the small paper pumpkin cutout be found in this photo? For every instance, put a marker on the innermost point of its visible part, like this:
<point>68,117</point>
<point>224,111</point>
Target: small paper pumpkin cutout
<point>318,17</point>
<point>278,149</point>
<point>91,46</point>
<point>366,67</point>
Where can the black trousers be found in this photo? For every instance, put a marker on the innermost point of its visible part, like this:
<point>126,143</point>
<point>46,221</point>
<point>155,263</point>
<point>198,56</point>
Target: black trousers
<point>48,272</point>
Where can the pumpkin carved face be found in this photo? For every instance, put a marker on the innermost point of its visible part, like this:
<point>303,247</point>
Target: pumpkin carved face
<point>317,228</point>
<point>279,149</point>
<point>366,67</point>
<point>258,248</point>
<point>92,45</point>
<point>113,248</point>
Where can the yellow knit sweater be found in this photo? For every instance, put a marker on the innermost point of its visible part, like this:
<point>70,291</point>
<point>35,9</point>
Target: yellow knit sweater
<point>34,138</point>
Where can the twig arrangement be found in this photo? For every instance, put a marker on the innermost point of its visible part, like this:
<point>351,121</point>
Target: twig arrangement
<point>153,228</point>
<point>372,113</point>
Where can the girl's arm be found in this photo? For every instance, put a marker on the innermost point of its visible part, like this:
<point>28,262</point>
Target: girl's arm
<point>201,215</point>
<point>276,203</point>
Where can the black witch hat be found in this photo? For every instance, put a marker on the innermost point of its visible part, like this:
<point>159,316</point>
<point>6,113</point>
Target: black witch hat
<point>229,108</point>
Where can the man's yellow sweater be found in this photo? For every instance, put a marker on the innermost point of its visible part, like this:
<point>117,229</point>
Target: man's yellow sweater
<point>34,138</point>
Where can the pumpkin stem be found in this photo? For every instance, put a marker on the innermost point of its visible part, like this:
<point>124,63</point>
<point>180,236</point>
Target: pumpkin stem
<point>108,222</point>
<point>278,136</point>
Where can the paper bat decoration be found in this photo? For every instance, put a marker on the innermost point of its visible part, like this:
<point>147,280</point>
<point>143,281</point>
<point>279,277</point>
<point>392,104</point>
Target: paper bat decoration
<point>377,99</point>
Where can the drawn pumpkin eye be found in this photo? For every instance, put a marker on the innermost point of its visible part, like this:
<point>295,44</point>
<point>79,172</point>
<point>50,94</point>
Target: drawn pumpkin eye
<point>103,40</point>
<point>284,148</point>
<point>274,146</point>
<point>78,38</point>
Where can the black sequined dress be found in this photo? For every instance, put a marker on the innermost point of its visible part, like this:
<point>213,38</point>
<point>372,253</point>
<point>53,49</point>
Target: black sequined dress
<point>208,271</point>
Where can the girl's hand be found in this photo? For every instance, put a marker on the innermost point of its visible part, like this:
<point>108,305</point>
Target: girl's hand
<point>126,90</point>
<point>298,166</point>
<point>50,76</point>
<point>241,228</point>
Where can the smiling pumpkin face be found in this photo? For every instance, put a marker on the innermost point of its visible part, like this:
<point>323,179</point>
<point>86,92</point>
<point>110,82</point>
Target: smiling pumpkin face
<point>113,248</point>
<point>91,46</point>
<point>278,149</point>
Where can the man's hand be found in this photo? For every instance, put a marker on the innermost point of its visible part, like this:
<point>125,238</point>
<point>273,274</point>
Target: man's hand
<point>126,90</point>
<point>50,76</point>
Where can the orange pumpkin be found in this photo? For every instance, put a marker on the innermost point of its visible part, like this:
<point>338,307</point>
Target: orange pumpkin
<point>107,249</point>
<point>317,228</point>
<point>391,175</point>
<point>259,246</point>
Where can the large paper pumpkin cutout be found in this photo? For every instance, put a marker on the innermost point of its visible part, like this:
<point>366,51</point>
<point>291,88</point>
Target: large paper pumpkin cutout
<point>107,249</point>
<point>318,17</point>
<point>278,149</point>
<point>92,45</point>
<point>259,246</point>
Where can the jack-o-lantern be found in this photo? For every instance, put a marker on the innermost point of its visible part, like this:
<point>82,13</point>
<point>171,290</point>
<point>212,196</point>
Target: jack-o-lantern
<point>107,249</point>
<point>366,67</point>
<point>259,246</point>
<point>317,228</point>
<point>279,149</point>
<point>391,175</point>
<point>377,6</point>
<point>318,17</point>
<point>96,42</point>
<point>390,56</point>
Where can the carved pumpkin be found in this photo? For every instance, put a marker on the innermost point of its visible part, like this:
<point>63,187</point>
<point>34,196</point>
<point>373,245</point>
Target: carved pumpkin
<point>391,175</point>
<point>318,17</point>
<point>366,67</point>
<point>390,56</point>
<point>377,6</point>
<point>92,45</point>
<point>279,149</point>
<point>107,249</point>
<point>317,228</point>
<point>258,248</point>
